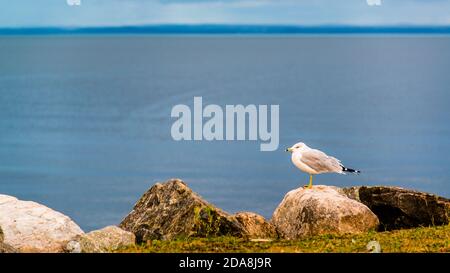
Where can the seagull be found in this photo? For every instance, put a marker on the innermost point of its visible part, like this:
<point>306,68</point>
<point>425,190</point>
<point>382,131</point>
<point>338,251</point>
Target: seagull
<point>313,162</point>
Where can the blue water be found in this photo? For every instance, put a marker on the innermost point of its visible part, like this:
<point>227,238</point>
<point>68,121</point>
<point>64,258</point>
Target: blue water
<point>85,121</point>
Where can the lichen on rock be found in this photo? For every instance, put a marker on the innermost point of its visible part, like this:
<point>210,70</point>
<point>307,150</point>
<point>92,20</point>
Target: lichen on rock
<point>172,210</point>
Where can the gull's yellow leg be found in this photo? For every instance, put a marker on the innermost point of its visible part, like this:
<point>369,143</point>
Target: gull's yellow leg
<point>310,181</point>
<point>309,186</point>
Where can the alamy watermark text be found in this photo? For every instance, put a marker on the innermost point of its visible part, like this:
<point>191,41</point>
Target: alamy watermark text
<point>213,123</point>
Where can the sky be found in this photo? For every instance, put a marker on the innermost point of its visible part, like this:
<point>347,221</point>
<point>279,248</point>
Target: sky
<point>39,13</point>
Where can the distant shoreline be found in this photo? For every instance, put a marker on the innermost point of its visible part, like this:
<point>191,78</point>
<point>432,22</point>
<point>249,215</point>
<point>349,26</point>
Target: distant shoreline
<point>228,30</point>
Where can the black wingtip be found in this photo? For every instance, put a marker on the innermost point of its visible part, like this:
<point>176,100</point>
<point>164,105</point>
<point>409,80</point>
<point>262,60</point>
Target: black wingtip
<point>348,170</point>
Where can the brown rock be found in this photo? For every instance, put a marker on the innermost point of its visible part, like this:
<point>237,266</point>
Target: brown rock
<point>321,210</point>
<point>255,225</point>
<point>399,208</point>
<point>5,248</point>
<point>170,210</point>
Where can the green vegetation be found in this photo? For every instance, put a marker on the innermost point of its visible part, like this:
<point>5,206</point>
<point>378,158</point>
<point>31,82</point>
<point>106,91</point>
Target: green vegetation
<point>206,221</point>
<point>430,239</point>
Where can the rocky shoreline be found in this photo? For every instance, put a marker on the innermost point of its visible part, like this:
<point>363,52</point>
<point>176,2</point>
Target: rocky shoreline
<point>171,210</point>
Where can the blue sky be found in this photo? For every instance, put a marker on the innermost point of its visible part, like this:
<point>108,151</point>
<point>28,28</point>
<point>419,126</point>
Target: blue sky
<point>35,13</point>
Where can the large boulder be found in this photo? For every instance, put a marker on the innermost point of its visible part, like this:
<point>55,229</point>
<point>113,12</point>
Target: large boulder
<point>105,240</point>
<point>256,226</point>
<point>170,210</point>
<point>399,208</point>
<point>321,210</point>
<point>31,227</point>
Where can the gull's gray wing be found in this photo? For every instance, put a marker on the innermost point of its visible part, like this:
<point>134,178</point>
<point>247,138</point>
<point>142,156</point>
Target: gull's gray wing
<point>321,162</point>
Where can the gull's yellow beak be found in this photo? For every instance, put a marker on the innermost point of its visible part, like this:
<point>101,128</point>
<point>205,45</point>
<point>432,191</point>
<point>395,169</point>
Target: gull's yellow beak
<point>289,150</point>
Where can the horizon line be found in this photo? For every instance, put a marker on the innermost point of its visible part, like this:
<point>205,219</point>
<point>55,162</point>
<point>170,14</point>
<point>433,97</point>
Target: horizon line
<point>219,28</point>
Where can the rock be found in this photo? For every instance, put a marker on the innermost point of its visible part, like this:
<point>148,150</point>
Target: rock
<point>5,248</point>
<point>105,240</point>
<point>255,225</point>
<point>32,227</point>
<point>373,247</point>
<point>73,247</point>
<point>399,208</point>
<point>321,210</point>
<point>170,210</point>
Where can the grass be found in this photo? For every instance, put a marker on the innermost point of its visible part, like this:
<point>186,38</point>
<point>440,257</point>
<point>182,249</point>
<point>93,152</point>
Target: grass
<point>424,239</point>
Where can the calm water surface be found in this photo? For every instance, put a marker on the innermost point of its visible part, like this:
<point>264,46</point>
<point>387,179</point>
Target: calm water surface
<point>85,121</point>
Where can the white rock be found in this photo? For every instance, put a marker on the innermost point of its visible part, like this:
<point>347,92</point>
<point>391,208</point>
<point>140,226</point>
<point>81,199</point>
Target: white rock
<point>73,247</point>
<point>321,210</point>
<point>373,247</point>
<point>32,227</point>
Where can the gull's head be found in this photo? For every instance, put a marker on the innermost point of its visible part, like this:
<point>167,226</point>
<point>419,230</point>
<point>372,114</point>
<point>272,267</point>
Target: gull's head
<point>296,147</point>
